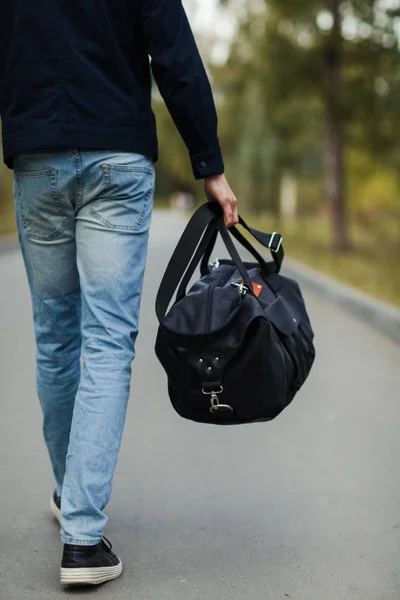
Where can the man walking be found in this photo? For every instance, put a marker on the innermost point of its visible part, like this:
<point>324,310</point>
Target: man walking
<point>79,132</point>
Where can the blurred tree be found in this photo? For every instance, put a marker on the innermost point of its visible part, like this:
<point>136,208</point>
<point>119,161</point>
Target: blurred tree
<point>326,76</point>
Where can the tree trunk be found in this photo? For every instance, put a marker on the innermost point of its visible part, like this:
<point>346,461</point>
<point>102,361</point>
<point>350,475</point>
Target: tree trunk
<point>334,153</point>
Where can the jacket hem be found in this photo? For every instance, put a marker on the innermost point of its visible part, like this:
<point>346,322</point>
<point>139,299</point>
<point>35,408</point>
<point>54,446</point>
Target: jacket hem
<point>126,140</point>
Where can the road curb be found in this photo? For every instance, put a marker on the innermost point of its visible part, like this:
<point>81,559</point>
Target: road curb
<point>380,315</point>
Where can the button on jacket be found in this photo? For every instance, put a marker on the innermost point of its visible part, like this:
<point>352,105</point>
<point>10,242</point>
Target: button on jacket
<point>76,73</point>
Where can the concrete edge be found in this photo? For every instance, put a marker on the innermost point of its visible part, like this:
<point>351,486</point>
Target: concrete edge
<point>380,315</point>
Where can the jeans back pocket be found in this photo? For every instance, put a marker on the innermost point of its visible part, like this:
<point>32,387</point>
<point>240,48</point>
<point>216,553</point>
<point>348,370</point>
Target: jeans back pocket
<point>39,204</point>
<point>126,200</point>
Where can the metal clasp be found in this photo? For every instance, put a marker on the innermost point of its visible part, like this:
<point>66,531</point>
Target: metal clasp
<point>215,404</point>
<point>241,288</point>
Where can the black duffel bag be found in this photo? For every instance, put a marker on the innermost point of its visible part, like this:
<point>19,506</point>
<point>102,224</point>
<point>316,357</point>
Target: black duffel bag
<point>239,345</point>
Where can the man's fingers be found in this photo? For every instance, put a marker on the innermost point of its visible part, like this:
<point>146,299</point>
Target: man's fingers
<point>235,213</point>
<point>230,212</point>
<point>228,215</point>
<point>217,188</point>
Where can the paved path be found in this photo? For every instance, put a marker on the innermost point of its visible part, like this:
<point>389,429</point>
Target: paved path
<point>306,507</point>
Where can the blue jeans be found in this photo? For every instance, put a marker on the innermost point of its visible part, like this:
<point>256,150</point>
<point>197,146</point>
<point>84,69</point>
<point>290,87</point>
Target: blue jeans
<point>83,220</point>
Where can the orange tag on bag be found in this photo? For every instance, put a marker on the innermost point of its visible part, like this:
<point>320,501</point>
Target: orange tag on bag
<point>257,288</point>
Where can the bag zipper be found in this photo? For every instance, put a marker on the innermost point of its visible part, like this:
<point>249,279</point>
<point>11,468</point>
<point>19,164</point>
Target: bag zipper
<point>207,323</point>
<point>207,326</point>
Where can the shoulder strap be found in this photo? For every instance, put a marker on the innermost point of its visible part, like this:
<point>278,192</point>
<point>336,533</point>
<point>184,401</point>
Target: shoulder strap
<point>209,237</point>
<point>182,255</point>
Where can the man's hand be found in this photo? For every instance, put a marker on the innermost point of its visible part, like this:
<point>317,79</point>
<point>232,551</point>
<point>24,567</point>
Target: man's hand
<point>217,189</point>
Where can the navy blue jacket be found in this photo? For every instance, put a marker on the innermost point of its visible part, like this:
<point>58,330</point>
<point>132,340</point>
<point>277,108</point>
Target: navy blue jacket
<point>76,73</point>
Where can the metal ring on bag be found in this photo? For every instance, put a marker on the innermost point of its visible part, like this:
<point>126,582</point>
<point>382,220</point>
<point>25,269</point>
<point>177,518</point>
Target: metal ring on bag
<point>220,391</point>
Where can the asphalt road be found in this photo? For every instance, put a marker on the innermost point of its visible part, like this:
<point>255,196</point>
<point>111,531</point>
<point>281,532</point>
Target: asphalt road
<point>306,507</point>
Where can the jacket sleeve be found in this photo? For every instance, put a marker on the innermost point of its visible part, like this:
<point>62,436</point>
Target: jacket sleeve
<point>6,21</point>
<point>183,83</point>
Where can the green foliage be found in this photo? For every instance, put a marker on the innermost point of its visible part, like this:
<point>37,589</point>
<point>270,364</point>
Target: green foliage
<point>276,99</point>
<point>373,187</point>
<point>275,90</point>
<point>272,96</point>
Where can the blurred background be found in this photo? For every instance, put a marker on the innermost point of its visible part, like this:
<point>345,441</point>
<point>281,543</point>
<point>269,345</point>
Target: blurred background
<point>308,97</point>
<point>306,507</point>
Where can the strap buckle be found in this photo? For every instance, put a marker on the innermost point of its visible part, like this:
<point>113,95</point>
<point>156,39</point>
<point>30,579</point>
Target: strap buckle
<point>275,242</point>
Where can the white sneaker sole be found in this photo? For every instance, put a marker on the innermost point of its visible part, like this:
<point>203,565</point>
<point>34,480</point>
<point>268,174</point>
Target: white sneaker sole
<point>93,576</point>
<point>55,511</point>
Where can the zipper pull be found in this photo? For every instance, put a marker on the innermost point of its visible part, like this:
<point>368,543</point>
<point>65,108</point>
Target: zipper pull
<point>241,288</point>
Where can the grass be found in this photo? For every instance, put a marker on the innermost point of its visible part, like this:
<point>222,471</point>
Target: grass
<point>373,264</point>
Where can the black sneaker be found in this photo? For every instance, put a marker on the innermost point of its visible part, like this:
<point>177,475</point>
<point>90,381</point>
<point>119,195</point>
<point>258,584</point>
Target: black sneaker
<point>89,565</point>
<point>55,506</point>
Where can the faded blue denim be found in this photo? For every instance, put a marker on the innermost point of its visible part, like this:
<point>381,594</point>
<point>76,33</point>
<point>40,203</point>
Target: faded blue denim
<point>83,220</point>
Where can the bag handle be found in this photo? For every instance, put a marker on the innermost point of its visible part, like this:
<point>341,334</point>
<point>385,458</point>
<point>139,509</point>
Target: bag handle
<point>195,242</point>
<point>230,246</point>
<point>209,240</point>
<point>266,269</point>
<point>208,215</point>
<point>271,241</point>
